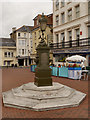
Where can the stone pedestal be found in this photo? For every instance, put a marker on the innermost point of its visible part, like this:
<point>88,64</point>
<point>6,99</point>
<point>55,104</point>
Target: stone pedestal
<point>29,96</point>
<point>42,71</point>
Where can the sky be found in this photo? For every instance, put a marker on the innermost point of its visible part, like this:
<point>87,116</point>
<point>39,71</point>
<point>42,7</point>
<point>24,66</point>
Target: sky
<point>15,13</point>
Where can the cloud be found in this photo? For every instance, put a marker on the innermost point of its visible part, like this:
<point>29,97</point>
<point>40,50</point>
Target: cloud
<point>16,14</point>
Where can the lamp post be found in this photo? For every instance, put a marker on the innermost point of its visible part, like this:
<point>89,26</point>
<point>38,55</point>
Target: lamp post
<point>42,71</point>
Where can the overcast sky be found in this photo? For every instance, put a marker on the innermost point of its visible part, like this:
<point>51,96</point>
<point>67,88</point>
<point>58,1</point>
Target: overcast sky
<point>15,13</point>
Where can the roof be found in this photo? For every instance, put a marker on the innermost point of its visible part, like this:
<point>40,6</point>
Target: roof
<point>24,28</point>
<point>49,18</point>
<point>39,15</point>
<point>7,42</point>
<point>37,27</point>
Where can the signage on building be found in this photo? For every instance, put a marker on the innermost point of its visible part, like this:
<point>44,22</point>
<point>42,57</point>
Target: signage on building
<point>71,51</point>
<point>80,32</point>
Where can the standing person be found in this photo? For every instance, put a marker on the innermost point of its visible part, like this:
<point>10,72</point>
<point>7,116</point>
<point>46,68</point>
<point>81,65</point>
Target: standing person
<point>59,65</point>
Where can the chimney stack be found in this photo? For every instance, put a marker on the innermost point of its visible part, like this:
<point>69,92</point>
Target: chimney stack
<point>13,29</point>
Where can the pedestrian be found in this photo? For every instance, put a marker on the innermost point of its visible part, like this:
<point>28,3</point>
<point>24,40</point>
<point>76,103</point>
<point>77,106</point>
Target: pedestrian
<point>59,65</point>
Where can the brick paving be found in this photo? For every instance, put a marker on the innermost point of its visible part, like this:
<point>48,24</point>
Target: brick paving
<point>14,77</point>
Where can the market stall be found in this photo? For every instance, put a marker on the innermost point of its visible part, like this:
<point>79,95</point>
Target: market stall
<point>75,69</point>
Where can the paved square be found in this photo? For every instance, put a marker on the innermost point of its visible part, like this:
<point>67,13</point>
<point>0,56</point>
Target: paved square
<point>12,78</point>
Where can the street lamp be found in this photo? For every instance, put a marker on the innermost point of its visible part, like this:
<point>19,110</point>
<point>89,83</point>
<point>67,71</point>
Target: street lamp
<point>43,23</point>
<point>42,71</point>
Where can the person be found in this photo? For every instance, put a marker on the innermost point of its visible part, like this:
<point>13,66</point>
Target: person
<point>63,64</point>
<point>82,66</point>
<point>59,65</point>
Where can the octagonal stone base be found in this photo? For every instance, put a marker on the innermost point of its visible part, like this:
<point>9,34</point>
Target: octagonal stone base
<point>29,96</point>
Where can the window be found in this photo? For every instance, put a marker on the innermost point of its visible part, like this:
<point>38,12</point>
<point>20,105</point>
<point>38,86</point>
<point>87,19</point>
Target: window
<point>30,35</point>
<point>35,45</point>
<point>89,7</point>
<point>35,35</point>
<point>18,34</point>
<point>57,20</point>
<point>62,18</point>
<point>4,63</point>
<point>22,51</point>
<point>31,43</point>
<point>69,1</point>
<point>11,54</point>
<point>77,11</point>
<point>20,42</point>
<point>24,34</point>
<point>8,54</point>
<point>57,38</point>
<point>62,3</point>
<point>60,58</point>
<point>70,38</point>
<point>19,51</point>
<point>77,33</point>
<point>37,22</point>
<point>39,32</point>
<point>23,42</point>
<point>8,63</point>
<point>77,36</point>
<point>70,15</point>
<point>57,4</point>
<point>5,54</point>
<point>25,52</point>
<point>62,39</point>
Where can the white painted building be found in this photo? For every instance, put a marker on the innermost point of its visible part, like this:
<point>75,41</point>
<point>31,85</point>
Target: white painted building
<point>70,23</point>
<point>23,39</point>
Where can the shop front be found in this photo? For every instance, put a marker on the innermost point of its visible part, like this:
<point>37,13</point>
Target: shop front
<point>59,56</point>
<point>24,61</point>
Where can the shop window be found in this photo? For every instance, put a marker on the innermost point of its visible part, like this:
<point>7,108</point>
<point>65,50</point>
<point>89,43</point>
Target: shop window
<point>8,63</point>
<point>60,58</point>
<point>4,63</point>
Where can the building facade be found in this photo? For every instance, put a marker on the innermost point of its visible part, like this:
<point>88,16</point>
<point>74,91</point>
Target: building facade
<point>23,39</point>
<point>36,34</point>
<point>70,30</point>
<point>7,52</point>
